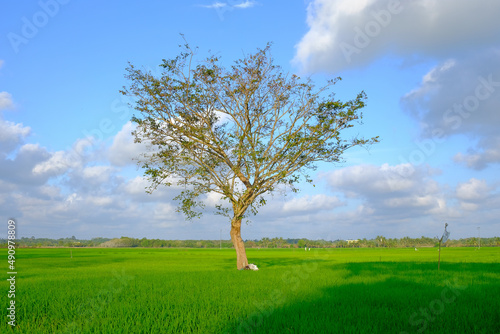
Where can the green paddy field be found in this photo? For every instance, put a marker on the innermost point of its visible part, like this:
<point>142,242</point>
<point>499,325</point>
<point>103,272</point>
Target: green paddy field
<point>143,290</point>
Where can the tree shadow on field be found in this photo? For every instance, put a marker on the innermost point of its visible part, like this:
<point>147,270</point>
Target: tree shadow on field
<point>418,300</point>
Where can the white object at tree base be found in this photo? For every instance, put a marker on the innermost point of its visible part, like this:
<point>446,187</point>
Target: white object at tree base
<point>250,266</point>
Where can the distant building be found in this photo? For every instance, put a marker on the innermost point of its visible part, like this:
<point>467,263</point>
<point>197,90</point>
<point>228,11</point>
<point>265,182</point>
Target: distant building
<point>352,241</point>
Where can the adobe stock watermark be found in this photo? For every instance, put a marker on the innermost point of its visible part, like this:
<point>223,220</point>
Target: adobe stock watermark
<point>364,36</point>
<point>11,272</point>
<point>31,26</point>
<point>453,119</point>
<point>422,318</point>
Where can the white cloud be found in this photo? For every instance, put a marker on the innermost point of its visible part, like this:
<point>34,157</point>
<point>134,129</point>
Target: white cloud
<point>84,197</point>
<point>99,200</point>
<point>461,96</point>
<point>215,5</point>
<point>50,191</point>
<point>90,198</point>
<point>391,192</point>
<point>164,211</point>
<point>136,186</point>
<point>372,179</point>
<point>6,101</point>
<point>73,198</point>
<point>212,199</point>
<point>472,190</point>
<point>486,154</point>
<point>97,174</point>
<point>478,198</point>
<point>11,135</point>
<point>311,204</point>
<point>230,5</point>
<point>350,33</point>
<point>17,169</point>
<point>62,161</point>
<point>57,164</point>
<point>396,200</point>
<point>123,150</point>
<point>467,206</point>
<point>246,4</point>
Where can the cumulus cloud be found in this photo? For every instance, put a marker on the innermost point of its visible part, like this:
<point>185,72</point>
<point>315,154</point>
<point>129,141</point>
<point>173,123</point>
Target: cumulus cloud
<point>461,96</point>
<point>390,191</point>
<point>136,186</point>
<point>313,203</point>
<point>485,154</point>
<point>375,180</point>
<point>476,196</point>
<point>350,33</point>
<point>397,200</point>
<point>18,169</point>
<point>473,190</point>
<point>11,135</point>
<point>123,150</point>
<point>99,200</point>
<point>165,211</point>
<point>62,161</point>
<point>97,174</point>
<point>6,101</point>
<point>72,192</point>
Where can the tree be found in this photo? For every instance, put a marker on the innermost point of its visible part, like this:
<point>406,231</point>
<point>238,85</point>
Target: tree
<point>242,132</point>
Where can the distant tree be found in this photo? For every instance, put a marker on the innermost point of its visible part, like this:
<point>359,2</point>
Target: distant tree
<point>280,243</point>
<point>145,242</point>
<point>264,242</point>
<point>242,132</point>
<point>250,244</point>
<point>381,241</point>
<point>341,243</point>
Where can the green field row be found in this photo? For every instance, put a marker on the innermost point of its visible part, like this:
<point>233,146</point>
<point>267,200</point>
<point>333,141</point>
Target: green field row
<point>142,290</point>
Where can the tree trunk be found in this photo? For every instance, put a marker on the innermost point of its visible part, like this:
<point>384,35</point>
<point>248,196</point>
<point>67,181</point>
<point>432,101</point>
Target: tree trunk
<point>239,245</point>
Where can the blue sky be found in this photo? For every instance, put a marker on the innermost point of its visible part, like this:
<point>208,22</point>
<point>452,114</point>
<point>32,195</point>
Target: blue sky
<point>430,69</point>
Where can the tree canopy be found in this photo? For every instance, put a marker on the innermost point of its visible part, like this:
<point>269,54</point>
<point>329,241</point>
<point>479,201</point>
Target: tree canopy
<point>242,132</point>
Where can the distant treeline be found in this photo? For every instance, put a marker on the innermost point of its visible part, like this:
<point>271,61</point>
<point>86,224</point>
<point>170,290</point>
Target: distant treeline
<point>379,241</point>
